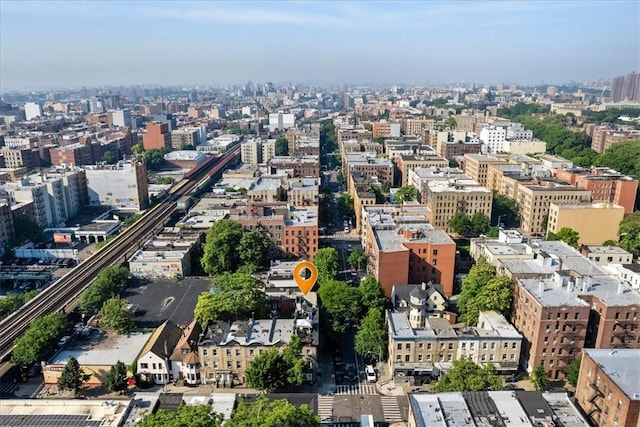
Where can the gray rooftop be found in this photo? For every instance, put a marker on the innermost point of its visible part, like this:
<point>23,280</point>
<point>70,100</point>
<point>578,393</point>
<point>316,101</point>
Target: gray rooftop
<point>622,366</point>
<point>103,349</point>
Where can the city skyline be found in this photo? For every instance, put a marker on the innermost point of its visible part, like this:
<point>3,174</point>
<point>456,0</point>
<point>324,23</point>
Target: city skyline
<point>54,45</point>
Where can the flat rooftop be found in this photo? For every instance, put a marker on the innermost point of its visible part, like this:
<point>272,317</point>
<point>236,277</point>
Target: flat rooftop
<point>62,412</point>
<point>102,348</point>
<point>607,250</point>
<point>622,366</point>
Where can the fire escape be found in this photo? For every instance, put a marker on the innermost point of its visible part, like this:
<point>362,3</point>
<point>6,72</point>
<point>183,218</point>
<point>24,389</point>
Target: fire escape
<point>572,341</point>
<point>623,333</point>
<point>597,394</point>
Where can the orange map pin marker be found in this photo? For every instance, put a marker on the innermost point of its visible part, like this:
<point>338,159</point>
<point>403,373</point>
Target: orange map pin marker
<point>305,275</point>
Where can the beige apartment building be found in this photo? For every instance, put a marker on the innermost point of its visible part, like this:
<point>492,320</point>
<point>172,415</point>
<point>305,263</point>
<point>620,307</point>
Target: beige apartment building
<point>477,165</point>
<point>451,196</point>
<point>417,126</point>
<point>404,163</point>
<point>534,200</point>
<point>595,222</point>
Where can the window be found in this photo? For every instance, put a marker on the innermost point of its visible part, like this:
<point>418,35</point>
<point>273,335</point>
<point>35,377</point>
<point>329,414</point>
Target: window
<point>399,346</point>
<point>154,366</point>
<point>238,364</point>
<point>144,366</point>
<point>237,352</point>
<point>251,351</point>
<point>420,346</point>
<point>407,346</point>
<point>435,252</point>
<point>215,351</point>
<point>229,352</point>
<point>228,364</point>
<point>204,352</point>
<point>407,358</point>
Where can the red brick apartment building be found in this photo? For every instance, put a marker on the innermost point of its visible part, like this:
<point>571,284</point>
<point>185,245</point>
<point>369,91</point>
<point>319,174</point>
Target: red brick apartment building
<point>157,136</point>
<point>608,389</point>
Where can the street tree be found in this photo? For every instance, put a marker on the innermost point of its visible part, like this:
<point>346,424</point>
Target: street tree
<point>345,205</point>
<point>13,301</point>
<point>460,223</point>
<point>630,233</point>
<point>292,356</point>
<point>267,371</point>
<point>39,339</point>
<point>406,193</point>
<point>154,159</point>
<point>567,235</point>
<point>479,275</point>
<point>185,415</point>
<point>573,371</point>
<point>233,296</point>
<point>116,379</point>
<point>115,315</point>
<point>506,210</point>
<point>480,223</point>
<point>272,413</point>
<point>539,378</point>
<point>467,376</point>
<point>357,258</point>
<point>371,293</point>
<point>496,295</point>
<point>371,339</point>
<point>326,261</point>
<point>221,247</point>
<point>72,377</point>
<point>341,302</point>
<point>282,146</point>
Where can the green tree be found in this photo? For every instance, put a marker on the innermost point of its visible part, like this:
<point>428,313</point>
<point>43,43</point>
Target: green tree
<point>495,295</point>
<point>39,339</point>
<point>326,261</point>
<point>506,210</point>
<point>109,158</point>
<point>371,293</point>
<point>341,302</point>
<point>345,205</point>
<point>267,371</point>
<point>130,220</point>
<point>539,378</point>
<point>406,193</point>
<point>220,248</point>
<point>460,223</point>
<point>253,248</point>
<point>165,180</point>
<point>609,243</point>
<point>451,123</point>
<point>13,301</point>
<point>292,356</point>
<point>479,275</point>
<point>154,159</point>
<point>282,146</point>
<point>26,230</point>
<point>114,315</point>
<point>357,258</point>
<point>137,149</point>
<point>630,233</point>
<point>567,235</point>
<point>467,376</point>
<point>272,413</point>
<point>233,296</point>
<point>622,156</point>
<point>480,223</point>
<point>371,339</point>
<point>72,377</point>
<point>116,378</point>
<point>453,163</point>
<point>186,415</point>
<point>573,371</point>
<point>110,282</point>
<point>493,232</point>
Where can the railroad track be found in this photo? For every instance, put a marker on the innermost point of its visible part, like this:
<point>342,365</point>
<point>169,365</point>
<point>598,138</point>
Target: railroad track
<point>68,288</point>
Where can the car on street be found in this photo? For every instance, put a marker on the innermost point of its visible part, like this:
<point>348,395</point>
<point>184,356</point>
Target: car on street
<point>370,373</point>
<point>351,374</point>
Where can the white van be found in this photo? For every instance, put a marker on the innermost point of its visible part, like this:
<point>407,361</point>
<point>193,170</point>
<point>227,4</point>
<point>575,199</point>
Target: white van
<point>371,374</point>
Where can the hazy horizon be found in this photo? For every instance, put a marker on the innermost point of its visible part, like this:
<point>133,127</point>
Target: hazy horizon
<point>57,44</point>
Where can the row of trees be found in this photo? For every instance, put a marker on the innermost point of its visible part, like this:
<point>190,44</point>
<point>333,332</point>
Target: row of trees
<point>482,290</point>
<point>228,248</point>
<point>272,370</point>
<point>463,224</point>
<point>269,413</point>
<point>13,301</point>
<point>40,339</point>
<point>72,378</point>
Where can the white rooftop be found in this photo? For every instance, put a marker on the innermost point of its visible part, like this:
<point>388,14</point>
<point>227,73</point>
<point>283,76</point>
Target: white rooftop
<point>102,349</point>
<point>622,366</point>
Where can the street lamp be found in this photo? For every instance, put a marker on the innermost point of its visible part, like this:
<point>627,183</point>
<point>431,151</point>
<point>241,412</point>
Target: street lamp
<point>499,216</point>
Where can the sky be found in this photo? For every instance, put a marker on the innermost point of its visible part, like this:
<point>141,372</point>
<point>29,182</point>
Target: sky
<point>57,44</point>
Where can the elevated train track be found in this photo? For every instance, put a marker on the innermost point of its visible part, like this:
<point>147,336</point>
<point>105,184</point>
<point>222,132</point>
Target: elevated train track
<point>69,287</point>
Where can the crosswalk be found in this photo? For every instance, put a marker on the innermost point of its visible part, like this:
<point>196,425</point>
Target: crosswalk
<point>325,408</point>
<point>362,389</point>
<point>391,409</point>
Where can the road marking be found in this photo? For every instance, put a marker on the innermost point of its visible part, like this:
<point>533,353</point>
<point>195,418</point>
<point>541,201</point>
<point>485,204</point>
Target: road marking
<point>391,409</point>
<point>325,408</point>
<point>356,389</point>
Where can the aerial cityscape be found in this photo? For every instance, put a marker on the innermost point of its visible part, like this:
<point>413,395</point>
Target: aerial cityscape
<point>390,214</point>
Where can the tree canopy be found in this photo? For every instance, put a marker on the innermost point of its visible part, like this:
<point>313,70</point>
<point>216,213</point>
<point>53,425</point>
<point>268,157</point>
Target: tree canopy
<point>622,156</point>
<point>539,378</point>
<point>371,339</point>
<point>572,372</point>
<point>357,258</point>
<point>233,296</point>
<point>72,377</point>
<point>227,248</point>
<point>345,205</point>
<point>115,315</point>
<point>272,370</point>
<point>522,109</point>
<point>326,261</point>
<point>371,293</point>
<point>154,159</point>
<point>271,413</point>
<point>13,301</point>
<point>40,339</point>
<point>116,378</point>
<point>467,376</point>
<point>406,193</point>
<point>567,235</point>
<point>110,282</point>
<point>506,210</point>
<point>480,223</point>
<point>341,302</point>
<point>630,233</point>
<point>282,146</point>
<point>26,230</point>
<point>460,223</point>
<point>186,415</point>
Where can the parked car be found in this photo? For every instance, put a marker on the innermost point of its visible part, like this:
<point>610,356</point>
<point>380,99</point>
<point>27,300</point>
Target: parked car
<point>63,340</point>
<point>370,373</point>
<point>351,374</point>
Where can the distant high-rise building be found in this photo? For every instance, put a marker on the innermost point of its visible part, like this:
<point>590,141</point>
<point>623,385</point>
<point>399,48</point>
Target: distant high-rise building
<point>626,88</point>
<point>32,110</point>
<point>121,118</point>
<point>157,136</point>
